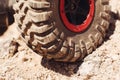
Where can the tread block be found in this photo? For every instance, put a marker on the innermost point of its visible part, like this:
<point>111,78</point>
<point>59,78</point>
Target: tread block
<point>77,54</point>
<point>19,18</point>
<point>98,38</point>
<point>62,52</point>
<point>101,30</point>
<point>107,8</point>
<point>25,8</point>
<point>39,29</point>
<point>105,24</point>
<point>54,47</point>
<point>40,16</point>
<point>89,47</point>
<point>83,48</point>
<point>105,16</point>
<point>39,4</point>
<point>45,40</point>
<point>92,41</point>
<point>105,2</point>
<point>16,7</point>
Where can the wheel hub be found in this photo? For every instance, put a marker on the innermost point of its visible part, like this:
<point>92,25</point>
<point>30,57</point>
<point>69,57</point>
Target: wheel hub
<point>72,7</point>
<point>77,14</point>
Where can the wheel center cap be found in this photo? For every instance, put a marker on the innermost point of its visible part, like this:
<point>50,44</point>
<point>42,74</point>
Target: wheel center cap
<point>77,14</point>
<point>72,6</point>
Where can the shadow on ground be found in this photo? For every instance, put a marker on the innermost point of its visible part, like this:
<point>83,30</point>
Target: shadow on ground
<point>67,69</point>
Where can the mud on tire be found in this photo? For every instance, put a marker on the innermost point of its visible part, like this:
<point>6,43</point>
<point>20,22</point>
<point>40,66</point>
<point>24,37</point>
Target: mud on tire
<point>42,28</point>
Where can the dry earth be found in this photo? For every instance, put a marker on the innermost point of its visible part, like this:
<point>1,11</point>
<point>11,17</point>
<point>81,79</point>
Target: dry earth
<point>102,64</point>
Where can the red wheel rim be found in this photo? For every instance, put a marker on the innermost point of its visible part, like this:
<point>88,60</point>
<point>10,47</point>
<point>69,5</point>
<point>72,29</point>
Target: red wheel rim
<point>77,27</point>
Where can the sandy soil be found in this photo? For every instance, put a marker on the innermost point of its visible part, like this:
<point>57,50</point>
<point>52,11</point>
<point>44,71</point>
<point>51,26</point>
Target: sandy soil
<point>102,64</point>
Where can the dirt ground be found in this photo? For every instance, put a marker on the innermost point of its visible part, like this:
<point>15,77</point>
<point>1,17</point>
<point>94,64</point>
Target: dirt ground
<point>102,64</point>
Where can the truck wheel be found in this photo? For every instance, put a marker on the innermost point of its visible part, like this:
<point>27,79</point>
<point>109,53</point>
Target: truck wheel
<point>3,22</point>
<point>6,15</point>
<point>63,30</point>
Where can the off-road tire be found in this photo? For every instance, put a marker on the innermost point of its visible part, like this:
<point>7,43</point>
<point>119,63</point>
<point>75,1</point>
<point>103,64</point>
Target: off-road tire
<point>43,30</point>
<point>3,22</point>
<point>6,15</point>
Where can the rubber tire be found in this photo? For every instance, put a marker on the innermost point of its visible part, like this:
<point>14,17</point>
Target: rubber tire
<point>43,31</point>
<point>3,22</point>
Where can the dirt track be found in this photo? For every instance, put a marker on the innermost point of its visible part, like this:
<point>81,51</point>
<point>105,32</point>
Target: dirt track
<point>102,64</point>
